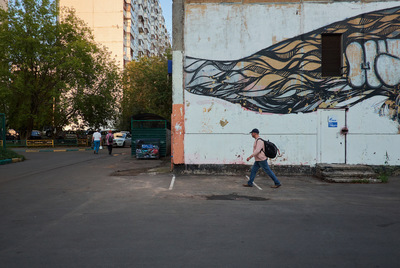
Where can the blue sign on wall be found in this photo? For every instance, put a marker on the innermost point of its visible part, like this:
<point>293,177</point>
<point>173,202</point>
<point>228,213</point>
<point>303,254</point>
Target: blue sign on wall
<point>332,122</point>
<point>169,66</point>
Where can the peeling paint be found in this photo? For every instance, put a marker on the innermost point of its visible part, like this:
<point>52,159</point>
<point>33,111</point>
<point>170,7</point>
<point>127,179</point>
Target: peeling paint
<point>223,122</point>
<point>274,40</point>
<point>178,127</point>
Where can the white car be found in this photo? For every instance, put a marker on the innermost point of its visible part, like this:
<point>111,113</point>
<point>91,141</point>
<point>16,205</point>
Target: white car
<point>122,139</point>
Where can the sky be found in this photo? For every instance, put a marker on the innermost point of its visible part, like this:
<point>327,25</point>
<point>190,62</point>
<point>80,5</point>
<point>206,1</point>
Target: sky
<point>166,6</point>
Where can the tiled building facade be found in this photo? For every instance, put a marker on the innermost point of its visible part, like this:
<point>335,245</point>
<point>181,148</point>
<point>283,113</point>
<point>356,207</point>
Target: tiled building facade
<point>144,28</point>
<point>128,28</point>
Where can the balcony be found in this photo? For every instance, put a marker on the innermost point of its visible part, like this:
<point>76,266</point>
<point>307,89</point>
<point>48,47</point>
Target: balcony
<point>141,29</point>
<point>133,45</point>
<point>140,38</point>
<point>140,49</point>
<point>127,15</point>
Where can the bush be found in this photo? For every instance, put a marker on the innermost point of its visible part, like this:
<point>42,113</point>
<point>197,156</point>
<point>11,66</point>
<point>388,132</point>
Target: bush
<point>9,154</point>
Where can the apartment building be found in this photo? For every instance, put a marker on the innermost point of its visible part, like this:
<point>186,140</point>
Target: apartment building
<point>128,28</point>
<point>3,4</point>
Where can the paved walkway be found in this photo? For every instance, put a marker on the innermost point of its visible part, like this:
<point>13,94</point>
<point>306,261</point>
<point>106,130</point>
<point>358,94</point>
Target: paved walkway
<point>79,209</point>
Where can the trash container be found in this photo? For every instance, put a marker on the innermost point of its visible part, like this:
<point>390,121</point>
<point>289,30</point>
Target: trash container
<point>151,129</point>
<point>148,148</point>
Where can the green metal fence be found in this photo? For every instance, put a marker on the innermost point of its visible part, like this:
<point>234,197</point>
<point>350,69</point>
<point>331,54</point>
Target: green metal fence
<point>149,129</point>
<point>3,131</point>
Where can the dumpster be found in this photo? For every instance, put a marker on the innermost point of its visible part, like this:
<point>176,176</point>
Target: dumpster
<point>145,130</point>
<point>147,148</point>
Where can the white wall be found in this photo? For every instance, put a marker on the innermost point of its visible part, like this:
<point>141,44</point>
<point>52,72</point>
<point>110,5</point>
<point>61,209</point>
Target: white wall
<point>217,130</point>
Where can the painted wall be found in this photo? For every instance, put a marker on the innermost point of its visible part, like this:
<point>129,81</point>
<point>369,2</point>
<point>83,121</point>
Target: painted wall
<point>258,65</point>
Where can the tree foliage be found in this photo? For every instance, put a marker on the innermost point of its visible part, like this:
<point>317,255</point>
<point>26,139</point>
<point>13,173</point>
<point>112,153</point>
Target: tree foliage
<point>52,73</point>
<point>147,88</point>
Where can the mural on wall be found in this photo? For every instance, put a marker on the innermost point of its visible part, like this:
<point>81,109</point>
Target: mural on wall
<point>286,77</point>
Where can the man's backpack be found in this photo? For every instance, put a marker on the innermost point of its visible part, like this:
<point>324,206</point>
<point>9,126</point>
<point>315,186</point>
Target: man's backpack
<point>110,139</point>
<point>270,150</point>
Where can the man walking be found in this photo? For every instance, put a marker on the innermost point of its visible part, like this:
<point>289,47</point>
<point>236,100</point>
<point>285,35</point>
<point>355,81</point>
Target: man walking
<point>260,161</point>
<point>96,138</point>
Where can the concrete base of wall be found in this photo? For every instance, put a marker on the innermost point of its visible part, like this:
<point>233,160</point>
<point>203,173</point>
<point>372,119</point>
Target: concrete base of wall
<point>281,170</point>
<point>292,170</point>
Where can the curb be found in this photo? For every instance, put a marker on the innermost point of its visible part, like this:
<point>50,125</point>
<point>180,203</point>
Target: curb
<point>56,150</point>
<point>9,161</point>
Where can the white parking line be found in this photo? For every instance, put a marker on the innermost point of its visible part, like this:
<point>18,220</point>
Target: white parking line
<point>259,188</point>
<point>172,182</point>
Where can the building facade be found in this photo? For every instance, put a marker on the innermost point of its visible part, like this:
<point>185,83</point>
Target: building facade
<point>129,29</point>
<point>3,4</point>
<point>321,79</point>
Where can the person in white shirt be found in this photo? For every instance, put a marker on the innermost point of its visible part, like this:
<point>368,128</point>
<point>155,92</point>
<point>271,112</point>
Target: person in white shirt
<point>96,138</point>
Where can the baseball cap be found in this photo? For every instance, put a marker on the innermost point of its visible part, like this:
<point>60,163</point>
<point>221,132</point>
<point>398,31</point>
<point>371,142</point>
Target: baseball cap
<point>255,131</point>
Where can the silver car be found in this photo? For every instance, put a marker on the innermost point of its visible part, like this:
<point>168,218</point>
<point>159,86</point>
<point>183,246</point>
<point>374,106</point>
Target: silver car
<point>122,139</point>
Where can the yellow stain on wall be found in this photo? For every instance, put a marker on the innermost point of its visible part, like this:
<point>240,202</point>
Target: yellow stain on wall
<point>223,123</point>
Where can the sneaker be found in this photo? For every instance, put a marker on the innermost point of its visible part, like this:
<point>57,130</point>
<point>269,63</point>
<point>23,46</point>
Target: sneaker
<point>276,186</point>
<point>246,185</point>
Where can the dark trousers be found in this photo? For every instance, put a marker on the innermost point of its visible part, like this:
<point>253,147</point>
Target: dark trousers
<point>109,149</point>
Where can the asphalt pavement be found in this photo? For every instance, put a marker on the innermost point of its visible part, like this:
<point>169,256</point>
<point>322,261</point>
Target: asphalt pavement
<point>78,209</point>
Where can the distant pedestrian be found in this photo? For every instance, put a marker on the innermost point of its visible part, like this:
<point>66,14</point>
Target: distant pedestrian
<point>261,161</point>
<point>109,141</point>
<point>96,141</point>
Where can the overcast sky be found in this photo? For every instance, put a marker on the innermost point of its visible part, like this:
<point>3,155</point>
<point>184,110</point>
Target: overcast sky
<point>166,6</point>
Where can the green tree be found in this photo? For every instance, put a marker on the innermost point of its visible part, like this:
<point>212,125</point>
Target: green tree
<point>147,88</point>
<point>52,73</point>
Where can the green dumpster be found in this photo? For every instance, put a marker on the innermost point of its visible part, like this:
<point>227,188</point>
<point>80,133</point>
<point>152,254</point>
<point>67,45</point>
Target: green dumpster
<point>148,130</point>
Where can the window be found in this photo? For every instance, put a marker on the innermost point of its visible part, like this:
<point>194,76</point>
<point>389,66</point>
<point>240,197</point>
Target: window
<point>331,64</point>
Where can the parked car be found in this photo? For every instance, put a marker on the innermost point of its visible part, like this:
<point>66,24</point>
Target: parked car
<point>70,135</point>
<point>35,135</point>
<point>67,135</point>
<point>81,134</point>
<point>122,139</point>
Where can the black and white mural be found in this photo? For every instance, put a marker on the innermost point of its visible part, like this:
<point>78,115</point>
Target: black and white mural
<point>286,77</point>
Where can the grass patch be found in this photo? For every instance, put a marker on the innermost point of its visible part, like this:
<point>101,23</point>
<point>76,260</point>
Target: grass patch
<point>384,177</point>
<point>9,154</point>
<point>384,172</point>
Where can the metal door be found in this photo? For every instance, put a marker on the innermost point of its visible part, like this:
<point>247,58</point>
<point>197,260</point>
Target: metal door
<point>331,140</point>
